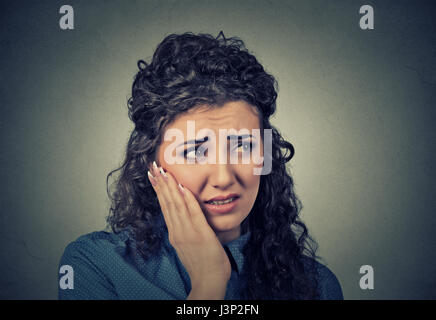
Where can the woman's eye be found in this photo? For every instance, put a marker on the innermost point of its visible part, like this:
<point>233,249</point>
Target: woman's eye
<point>246,146</point>
<point>195,153</point>
<point>200,153</point>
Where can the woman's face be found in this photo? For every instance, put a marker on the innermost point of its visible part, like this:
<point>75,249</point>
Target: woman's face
<point>195,169</point>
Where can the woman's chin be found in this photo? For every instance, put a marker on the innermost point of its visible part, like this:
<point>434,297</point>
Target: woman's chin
<point>229,227</point>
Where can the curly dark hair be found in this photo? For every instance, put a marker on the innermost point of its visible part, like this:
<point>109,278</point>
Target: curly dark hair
<point>186,71</point>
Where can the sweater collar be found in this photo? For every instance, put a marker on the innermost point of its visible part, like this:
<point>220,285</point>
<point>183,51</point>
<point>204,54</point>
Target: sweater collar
<point>235,246</point>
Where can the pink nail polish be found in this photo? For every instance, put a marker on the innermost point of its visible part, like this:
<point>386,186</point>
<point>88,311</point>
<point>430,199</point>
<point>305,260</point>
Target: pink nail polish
<point>151,178</point>
<point>163,173</point>
<point>181,188</point>
<point>155,168</point>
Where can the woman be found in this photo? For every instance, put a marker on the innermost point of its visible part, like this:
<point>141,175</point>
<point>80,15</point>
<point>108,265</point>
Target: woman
<point>187,220</point>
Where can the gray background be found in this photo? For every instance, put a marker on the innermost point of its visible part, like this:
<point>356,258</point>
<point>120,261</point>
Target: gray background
<point>357,105</point>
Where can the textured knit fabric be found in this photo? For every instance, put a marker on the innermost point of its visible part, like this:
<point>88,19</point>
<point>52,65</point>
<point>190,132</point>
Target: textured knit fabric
<point>108,266</point>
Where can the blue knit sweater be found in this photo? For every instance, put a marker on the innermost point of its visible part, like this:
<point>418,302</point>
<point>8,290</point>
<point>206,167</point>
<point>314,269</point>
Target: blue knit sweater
<point>107,266</point>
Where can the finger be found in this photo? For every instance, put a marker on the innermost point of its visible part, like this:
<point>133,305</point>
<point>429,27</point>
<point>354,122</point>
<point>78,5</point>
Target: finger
<point>173,207</point>
<point>162,201</point>
<point>195,211</point>
<point>180,215</point>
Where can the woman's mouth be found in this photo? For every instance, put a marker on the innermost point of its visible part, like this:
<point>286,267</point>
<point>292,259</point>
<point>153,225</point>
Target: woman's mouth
<point>222,204</point>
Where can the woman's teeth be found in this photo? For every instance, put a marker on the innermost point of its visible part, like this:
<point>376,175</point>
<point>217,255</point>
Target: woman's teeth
<point>221,201</point>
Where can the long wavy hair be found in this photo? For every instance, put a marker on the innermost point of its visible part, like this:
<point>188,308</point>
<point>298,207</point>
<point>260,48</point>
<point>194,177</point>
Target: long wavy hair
<point>186,71</point>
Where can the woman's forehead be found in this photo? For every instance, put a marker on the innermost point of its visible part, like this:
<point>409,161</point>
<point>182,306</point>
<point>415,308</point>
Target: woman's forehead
<point>235,114</point>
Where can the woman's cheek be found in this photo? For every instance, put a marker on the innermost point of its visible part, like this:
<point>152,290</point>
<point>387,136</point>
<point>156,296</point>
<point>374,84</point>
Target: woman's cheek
<point>187,175</point>
<point>246,172</point>
<point>252,182</point>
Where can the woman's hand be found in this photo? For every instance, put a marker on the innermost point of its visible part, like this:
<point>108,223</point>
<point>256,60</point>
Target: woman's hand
<point>196,244</point>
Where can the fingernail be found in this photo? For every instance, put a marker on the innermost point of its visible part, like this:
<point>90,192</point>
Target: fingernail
<point>181,188</point>
<point>163,173</point>
<point>156,170</point>
<point>151,178</point>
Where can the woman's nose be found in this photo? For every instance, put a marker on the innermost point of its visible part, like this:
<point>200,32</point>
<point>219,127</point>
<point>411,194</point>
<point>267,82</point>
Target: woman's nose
<point>222,176</point>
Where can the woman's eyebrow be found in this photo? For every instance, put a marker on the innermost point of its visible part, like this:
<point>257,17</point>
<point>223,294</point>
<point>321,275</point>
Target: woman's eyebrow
<point>239,136</point>
<point>204,139</point>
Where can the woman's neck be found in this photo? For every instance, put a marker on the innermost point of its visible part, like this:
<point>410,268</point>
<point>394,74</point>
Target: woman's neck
<point>229,235</point>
